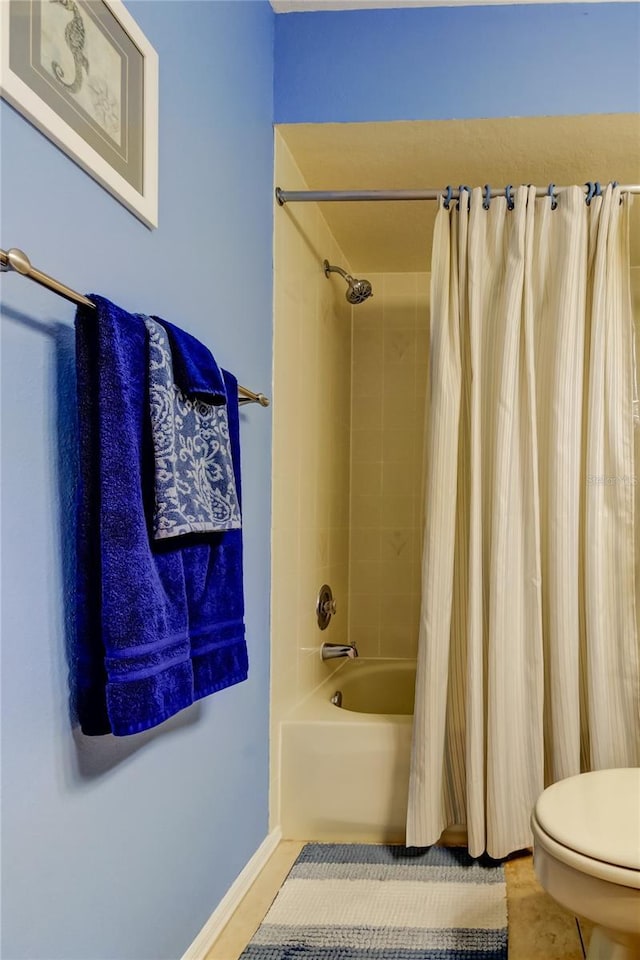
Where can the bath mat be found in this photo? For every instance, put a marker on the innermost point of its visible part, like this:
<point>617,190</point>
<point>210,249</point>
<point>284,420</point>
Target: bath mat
<point>352,901</point>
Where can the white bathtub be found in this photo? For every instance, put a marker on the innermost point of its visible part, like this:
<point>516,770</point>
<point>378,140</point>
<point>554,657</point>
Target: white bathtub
<point>345,771</point>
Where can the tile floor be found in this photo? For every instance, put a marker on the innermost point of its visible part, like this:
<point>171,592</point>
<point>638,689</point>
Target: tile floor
<point>538,928</point>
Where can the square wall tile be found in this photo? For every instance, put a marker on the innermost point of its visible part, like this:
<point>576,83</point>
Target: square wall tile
<point>365,544</point>
<point>367,478</point>
<point>366,511</point>
<point>366,411</point>
<point>366,447</point>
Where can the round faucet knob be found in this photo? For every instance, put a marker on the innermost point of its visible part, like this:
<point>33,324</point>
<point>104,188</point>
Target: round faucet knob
<point>325,606</point>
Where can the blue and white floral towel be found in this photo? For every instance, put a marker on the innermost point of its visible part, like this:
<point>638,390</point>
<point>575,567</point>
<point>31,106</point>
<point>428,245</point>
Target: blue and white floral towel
<point>195,489</point>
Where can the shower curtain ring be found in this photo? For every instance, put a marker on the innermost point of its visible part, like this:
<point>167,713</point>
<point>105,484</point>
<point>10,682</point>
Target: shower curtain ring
<point>447,199</point>
<point>508,195</point>
<point>598,189</point>
<point>591,189</point>
<point>486,203</point>
<point>552,195</point>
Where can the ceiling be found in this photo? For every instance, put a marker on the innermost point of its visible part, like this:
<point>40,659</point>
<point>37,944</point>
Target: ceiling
<point>291,6</point>
<point>396,236</point>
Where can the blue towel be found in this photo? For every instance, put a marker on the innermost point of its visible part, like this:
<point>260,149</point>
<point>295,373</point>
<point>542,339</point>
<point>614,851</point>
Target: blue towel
<point>160,625</point>
<point>194,367</point>
<point>195,489</point>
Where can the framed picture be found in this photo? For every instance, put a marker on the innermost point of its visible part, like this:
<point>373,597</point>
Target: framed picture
<point>84,73</point>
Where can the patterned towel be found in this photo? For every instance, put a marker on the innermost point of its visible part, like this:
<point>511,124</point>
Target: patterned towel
<point>195,490</point>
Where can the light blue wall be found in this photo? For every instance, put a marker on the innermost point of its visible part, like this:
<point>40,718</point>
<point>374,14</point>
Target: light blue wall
<point>457,63</point>
<point>120,849</point>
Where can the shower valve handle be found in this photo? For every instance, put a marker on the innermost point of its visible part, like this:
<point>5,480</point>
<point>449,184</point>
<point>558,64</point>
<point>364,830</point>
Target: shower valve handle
<point>328,608</point>
<point>325,606</point>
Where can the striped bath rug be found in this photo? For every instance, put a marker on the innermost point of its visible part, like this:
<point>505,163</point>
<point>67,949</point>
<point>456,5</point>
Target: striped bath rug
<point>352,901</point>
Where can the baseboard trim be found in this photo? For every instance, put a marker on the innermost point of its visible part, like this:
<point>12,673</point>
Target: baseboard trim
<point>229,903</point>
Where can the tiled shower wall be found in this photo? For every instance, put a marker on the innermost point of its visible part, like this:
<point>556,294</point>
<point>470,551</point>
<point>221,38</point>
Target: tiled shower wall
<point>390,358</point>
<point>311,425</point>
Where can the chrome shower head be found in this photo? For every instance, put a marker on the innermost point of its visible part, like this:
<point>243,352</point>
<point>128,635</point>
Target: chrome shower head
<point>357,290</point>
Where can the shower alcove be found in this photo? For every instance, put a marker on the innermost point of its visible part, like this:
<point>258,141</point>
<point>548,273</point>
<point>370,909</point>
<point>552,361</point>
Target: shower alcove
<point>349,397</point>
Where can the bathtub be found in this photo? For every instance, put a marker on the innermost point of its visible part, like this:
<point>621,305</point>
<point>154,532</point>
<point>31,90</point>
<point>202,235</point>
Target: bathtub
<point>345,770</point>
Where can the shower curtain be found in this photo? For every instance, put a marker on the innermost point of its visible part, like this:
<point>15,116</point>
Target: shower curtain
<point>528,647</point>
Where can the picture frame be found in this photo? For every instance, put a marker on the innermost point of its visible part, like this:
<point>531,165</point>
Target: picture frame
<point>84,74</point>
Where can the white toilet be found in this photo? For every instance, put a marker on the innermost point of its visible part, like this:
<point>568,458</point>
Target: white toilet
<point>586,852</point>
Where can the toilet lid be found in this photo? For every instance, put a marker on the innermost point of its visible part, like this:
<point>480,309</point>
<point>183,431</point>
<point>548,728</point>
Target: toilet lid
<point>596,814</point>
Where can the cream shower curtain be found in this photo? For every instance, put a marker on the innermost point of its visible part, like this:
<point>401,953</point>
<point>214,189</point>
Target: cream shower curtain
<point>528,650</point>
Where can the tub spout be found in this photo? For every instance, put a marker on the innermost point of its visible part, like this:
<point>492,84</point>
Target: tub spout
<point>329,651</point>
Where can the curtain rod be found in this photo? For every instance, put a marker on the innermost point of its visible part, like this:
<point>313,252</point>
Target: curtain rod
<point>19,262</point>
<point>330,196</point>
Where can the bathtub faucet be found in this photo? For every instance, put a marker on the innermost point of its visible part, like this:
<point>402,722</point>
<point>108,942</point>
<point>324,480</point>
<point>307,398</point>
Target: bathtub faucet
<point>329,651</point>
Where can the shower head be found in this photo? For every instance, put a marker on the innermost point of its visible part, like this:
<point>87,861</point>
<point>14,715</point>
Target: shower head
<point>357,290</point>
